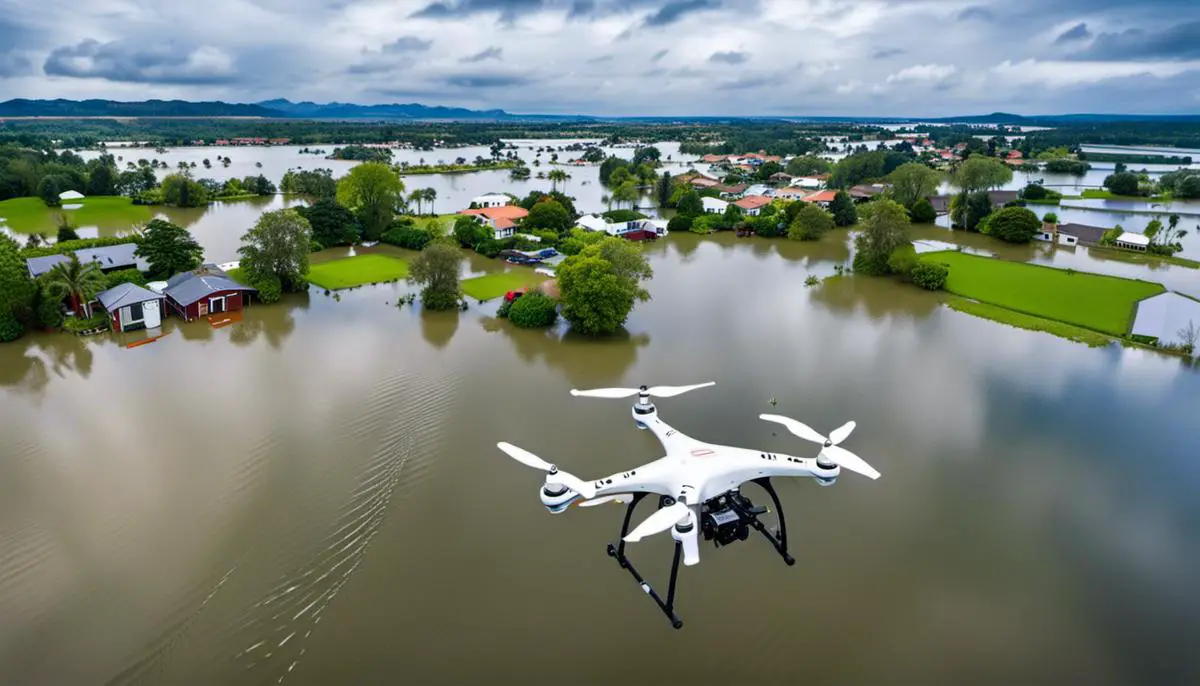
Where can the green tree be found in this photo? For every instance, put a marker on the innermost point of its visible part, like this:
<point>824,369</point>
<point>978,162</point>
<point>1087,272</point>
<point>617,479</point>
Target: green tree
<point>884,229</point>
<point>436,270</point>
<point>844,211</point>
<point>1125,183</point>
<point>168,248</point>
<point>372,190</point>
<point>76,280</point>
<point>808,165</point>
<point>102,181</point>
<point>968,209</point>
<point>811,222</point>
<point>647,155</point>
<point>690,204</point>
<point>533,310</point>
<point>664,189</point>
<point>17,290</point>
<point>181,191</point>
<point>277,247</point>
<point>555,176</point>
<point>331,223</point>
<point>469,232</point>
<point>601,284</point>
<point>981,174</point>
<point>626,192</point>
<point>1013,225</point>
<point>609,166</point>
<point>547,216</point>
<point>48,190</point>
<point>732,216</point>
<point>913,182</point>
<point>922,212</point>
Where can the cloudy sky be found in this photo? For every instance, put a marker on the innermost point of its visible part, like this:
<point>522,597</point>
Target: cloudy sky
<point>618,57</point>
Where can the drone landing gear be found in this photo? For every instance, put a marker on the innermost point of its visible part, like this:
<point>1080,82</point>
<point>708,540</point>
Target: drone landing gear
<point>726,518</point>
<point>618,552</point>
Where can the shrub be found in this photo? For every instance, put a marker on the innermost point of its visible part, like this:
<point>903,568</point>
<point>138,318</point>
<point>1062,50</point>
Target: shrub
<point>618,216</point>
<point>49,309</point>
<point>269,287</point>
<point>493,247</point>
<point>409,237</point>
<point>1050,218</point>
<point>315,246</point>
<point>922,212</point>
<point>505,306</point>
<point>99,318</point>
<point>902,260</point>
<point>1012,224</point>
<point>10,329</point>
<point>810,223</point>
<point>929,275</point>
<point>679,223</point>
<point>533,310</point>
<point>124,276</point>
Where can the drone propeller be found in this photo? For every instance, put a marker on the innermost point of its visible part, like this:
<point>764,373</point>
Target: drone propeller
<point>829,446</point>
<point>554,475</point>
<point>666,518</point>
<point>653,391</point>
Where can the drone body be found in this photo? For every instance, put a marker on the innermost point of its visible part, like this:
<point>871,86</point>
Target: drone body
<point>698,483</point>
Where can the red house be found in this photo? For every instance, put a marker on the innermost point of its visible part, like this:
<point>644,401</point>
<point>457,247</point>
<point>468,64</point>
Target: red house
<point>205,291</point>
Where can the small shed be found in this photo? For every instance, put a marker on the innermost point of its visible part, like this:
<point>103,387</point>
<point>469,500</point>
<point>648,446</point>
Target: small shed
<point>132,307</point>
<point>70,195</point>
<point>1132,241</point>
<point>205,291</point>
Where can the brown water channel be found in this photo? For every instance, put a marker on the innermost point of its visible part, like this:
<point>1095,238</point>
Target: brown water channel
<point>313,495</point>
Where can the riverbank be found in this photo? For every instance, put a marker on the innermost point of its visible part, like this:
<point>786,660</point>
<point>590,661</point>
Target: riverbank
<point>419,170</point>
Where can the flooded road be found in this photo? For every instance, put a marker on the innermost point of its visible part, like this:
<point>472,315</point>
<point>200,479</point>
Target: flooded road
<point>313,495</point>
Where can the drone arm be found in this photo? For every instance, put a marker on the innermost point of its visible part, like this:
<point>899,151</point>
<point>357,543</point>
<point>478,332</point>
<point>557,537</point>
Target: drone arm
<point>648,478</point>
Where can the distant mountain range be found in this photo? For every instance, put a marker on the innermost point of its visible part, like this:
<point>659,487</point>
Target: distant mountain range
<point>286,109</point>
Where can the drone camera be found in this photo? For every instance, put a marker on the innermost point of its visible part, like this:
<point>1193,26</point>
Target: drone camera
<point>728,518</point>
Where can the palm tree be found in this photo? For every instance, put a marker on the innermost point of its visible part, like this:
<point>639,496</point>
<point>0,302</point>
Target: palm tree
<point>76,280</point>
<point>555,176</point>
<point>417,196</point>
<point>431,198</point>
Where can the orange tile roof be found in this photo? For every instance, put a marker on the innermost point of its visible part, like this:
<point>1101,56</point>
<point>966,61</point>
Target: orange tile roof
<point>751,202</point>
<point>510,212</point>
<point>503,223</point>
<point>823,196</point>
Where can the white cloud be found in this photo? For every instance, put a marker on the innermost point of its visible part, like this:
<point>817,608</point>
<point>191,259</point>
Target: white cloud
<point>923,72</point>
<point>1062,73</point>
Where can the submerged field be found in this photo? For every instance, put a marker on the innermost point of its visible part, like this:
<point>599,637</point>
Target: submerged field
<point>1092,301</point>
<point>31,215</point>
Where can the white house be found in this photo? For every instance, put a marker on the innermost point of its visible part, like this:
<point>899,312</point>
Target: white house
<point>591,222</point>
<point>759,189</point>
<point>713,205</point>
<point>490,200</point>
<point>1132,241</point>
<point>635,229</point>
<point>1166,317</point>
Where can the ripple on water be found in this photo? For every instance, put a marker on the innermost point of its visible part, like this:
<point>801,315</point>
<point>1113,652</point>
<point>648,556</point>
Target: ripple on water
<point>406,413</point>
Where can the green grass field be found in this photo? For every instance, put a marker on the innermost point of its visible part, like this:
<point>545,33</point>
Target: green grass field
<point>495,285</point>
<point>1026,321</point>
<point>357,271</point>
<point>1091,301</point>
<point>1098,194</point>
<point>30,215</point>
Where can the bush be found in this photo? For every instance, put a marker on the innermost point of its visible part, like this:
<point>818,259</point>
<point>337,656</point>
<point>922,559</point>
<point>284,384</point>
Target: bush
<point>1050,218</point>
<point>922,212</point>
<point>929,275</point>
<point>706,223</point>
<point>1036,191</point>
<point>10,329</point>
<point>902,260</point>
<point>533,310</point>
<point>618,216</point>
<point>269,287</point>
<point>1012,224</point>
<point>409,237</point>
<point>810,223</point>
<point>505,306</point>
<point>124,276</point>
<point>493,247</point>
<point>99,319</point>
<point>49,310</point>
<point>315,246</point>
<point>679,223</point>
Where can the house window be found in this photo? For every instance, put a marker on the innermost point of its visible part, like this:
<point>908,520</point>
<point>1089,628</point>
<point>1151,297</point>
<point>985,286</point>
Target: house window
<point>135,312</point>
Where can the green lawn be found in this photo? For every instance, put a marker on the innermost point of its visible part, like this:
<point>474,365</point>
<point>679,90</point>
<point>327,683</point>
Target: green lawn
<point>357,271</point>
<point>495,285</point>
<point>1099,194</point>
<point>446,220</point>
<point>1091,301</point>
<point>30,215</point>
<point>1025,321</point>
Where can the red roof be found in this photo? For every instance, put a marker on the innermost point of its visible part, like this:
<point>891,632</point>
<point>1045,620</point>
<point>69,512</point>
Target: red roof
<point>510,212</point>
<point>503,223</point>
<point>751,202</point>
<point>1015,154</point>
<point>823,196</point>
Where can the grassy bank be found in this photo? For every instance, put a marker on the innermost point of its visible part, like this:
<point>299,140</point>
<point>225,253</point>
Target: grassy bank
<point>359,270</point>
<point>1026,321</point>
<point>495,285</point>
<point>1098,194</point>
<point>30,215</point>
<point>1090,301</point>
<point>1131,257</point>
<point>419,169</point>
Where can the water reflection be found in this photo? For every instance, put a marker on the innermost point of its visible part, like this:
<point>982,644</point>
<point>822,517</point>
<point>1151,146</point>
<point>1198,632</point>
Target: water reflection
<point>275,323</point>
<point>607,358</point>
<point>881,299</point>
<point>437,328</point>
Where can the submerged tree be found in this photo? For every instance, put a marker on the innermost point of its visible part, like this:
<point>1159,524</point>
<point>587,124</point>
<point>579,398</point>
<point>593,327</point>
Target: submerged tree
<point>276,250</point>
<point>601,284</point>
<point>373,191</point>
<point>436,270</point>
<point>885,228</point>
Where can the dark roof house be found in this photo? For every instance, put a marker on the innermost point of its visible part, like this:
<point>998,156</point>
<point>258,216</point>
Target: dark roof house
<point>132,307</point>
<point>205,291</point>
<point>109,258</point>
<point>1087,235</point>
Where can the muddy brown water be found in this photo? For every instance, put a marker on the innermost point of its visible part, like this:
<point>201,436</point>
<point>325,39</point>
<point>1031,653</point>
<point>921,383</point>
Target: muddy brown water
<point>313,495</point>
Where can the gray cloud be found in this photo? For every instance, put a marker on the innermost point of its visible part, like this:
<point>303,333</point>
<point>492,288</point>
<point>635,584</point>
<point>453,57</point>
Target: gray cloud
<point>884,54</point>
<point>976,13</point>
<point>140,63</point>
<point>13,63</point>
<point>491,53</point>
<point>407,44</point>
<point>659,55</point>
<point>1178,41</point>
<point>1075,33</point>
<point>508,10</point>
<point>601,59</point>
<point>677,10</point>
<point>486,80</point>
<point>730,57</point>
<point>750,82</point>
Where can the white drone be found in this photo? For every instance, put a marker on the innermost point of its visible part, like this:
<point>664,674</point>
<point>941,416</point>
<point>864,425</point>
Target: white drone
<point>698,484</point>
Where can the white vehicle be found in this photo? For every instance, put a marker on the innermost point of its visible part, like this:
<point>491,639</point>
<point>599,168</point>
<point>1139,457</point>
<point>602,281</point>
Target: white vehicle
<point>698,484</point>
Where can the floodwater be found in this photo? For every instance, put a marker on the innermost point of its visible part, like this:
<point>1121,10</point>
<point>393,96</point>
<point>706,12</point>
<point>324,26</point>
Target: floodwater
<point>313,495</point>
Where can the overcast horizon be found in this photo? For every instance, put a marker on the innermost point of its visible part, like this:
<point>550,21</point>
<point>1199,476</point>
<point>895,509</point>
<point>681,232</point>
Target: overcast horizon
<point>778,58</point>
